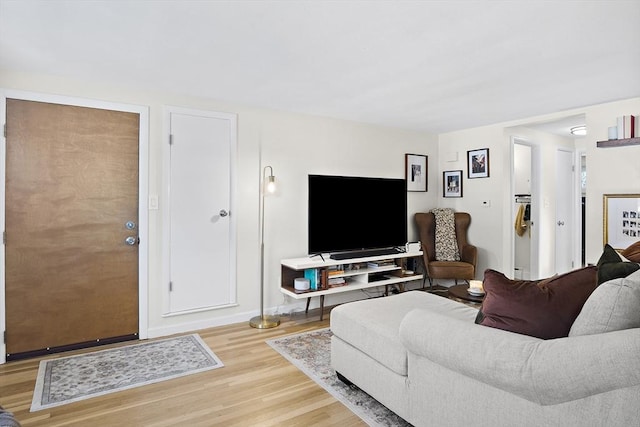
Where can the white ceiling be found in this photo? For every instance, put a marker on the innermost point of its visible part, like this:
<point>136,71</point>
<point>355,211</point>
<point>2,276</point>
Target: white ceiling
<point>434,66</point>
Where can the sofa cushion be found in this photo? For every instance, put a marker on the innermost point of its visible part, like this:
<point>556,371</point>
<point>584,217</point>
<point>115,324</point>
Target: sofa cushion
<point>372,325</point>
<point>612,266</point>
<point>632,253</point>
<point>613,306</point>
<point>540,308</point>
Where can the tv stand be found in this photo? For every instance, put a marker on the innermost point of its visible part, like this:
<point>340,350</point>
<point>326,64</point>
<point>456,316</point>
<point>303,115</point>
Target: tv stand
<point>320,255</point>
<point>357,273</point>
<point>365,253</point>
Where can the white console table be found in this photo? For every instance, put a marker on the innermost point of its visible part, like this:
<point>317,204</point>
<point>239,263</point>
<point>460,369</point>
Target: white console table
<point>356,274</point>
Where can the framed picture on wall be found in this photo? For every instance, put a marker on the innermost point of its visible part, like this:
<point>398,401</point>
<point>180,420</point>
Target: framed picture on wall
<point>621,219</point>
<point>478,163</point>
<point>452,183</point>
<point>415,169</point>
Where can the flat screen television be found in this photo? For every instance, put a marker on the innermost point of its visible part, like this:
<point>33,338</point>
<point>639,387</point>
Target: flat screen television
<point>348,213</point>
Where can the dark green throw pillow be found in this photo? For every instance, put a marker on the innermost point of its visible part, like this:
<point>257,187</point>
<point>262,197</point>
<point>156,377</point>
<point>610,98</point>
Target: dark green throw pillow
<point>611,266</point>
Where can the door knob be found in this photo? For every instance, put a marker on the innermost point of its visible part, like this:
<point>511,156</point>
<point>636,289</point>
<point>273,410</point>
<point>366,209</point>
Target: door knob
<point>131,240</point>
<point>223,213</point>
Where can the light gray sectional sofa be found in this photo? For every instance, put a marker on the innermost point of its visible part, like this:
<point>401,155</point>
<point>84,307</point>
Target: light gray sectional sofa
<point>424,357</point>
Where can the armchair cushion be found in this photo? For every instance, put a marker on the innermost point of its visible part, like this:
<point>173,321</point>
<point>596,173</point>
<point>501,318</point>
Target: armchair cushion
<point>540,308</point>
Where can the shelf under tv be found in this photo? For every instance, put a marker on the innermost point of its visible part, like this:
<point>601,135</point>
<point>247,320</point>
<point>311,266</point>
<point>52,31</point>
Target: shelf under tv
<point>362,278</point>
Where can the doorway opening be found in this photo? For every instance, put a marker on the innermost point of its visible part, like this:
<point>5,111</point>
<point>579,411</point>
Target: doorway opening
<point>523,202</point>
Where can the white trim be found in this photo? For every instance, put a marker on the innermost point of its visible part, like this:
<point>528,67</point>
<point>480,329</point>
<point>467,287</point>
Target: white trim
<point>167,110</point>
<point>197,325</point>
<point>143,195</point>
<point>200,310</point>
<point>3,172</point>
<point>578,243</point>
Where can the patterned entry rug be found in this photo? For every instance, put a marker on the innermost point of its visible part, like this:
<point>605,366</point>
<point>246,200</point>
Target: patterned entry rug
<point>311,353</point>
<point>70,379</point>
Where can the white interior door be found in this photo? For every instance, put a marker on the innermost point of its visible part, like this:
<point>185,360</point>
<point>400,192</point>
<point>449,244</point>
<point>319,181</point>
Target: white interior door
<point>200,219</point>
<point>564,211</point>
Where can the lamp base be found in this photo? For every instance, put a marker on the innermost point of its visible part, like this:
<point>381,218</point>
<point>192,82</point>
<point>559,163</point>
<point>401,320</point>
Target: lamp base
<point>264,322</point>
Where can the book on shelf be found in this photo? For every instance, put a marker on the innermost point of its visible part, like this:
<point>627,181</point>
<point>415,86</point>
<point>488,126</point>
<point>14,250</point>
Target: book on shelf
<point>324,279</point>
<point>628,126</point>
<point>314,278</point>
<point>336,281</point>
<point>620,124</point>
<point>381,263</point>
<point>334,272</point>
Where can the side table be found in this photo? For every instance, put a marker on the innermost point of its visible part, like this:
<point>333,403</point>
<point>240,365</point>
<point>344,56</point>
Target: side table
<point>460,292</point>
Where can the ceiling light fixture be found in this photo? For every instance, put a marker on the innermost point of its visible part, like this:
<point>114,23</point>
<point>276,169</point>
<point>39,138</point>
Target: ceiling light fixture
<point>579,130</point>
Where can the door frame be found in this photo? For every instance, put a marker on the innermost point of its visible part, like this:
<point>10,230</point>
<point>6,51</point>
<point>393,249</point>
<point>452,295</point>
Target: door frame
<point>580,243</point>
<point>143,194</point>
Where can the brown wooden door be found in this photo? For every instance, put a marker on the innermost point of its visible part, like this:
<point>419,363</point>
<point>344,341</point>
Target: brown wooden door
<point>71,186</point>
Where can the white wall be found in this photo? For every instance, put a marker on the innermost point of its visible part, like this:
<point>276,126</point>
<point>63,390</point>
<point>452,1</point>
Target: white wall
<point>486,230</point>
<point>294,145</point>
<point>609,170</point>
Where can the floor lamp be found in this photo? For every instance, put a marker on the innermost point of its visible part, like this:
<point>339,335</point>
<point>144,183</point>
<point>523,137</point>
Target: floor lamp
<point>264,321</point>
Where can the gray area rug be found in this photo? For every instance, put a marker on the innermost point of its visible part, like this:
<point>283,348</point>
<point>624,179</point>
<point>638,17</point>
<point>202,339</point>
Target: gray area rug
<point>70,379</point>
<point>311,353</point>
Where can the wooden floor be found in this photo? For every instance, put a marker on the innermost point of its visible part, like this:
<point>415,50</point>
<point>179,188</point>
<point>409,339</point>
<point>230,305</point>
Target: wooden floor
<point>256,387</point>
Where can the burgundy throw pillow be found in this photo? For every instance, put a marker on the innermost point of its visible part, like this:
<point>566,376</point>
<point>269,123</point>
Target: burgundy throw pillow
<point>539,308</point>
<point>632,253</point>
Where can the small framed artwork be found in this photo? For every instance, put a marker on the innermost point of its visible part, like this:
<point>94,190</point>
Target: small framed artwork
<point>452,183</point>
<point>621,219</point>
<point>478,163</point>
<point>415,169</point>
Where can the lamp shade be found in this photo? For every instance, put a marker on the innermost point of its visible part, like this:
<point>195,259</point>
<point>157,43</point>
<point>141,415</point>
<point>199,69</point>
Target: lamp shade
<point>271,184</point>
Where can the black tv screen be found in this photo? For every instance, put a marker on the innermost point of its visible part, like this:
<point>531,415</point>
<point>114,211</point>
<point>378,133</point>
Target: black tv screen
<point>354,213</point>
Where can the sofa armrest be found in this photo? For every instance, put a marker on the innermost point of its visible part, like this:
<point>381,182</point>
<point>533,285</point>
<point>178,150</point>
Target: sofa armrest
<point>546,372</point>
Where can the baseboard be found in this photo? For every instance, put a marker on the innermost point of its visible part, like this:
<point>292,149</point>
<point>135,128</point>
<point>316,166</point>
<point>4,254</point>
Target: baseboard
<point>282,310</point>
<point>201,324</point>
